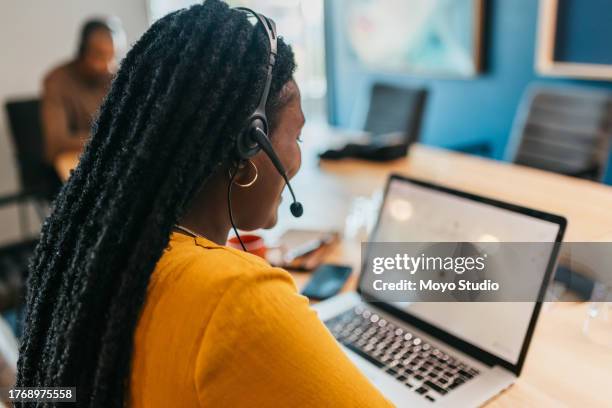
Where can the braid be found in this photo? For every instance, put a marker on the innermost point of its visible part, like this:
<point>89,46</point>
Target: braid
<point>170,120</point>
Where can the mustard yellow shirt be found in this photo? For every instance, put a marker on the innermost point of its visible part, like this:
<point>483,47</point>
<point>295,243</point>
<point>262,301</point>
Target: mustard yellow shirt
<point>222,328</point>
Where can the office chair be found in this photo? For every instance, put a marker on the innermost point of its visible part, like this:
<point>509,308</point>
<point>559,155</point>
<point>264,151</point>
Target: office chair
<point>38,185</point>
<point>38,181</point>
<point>396,110</point>
<point>393,122</point>
<point>563,130</point>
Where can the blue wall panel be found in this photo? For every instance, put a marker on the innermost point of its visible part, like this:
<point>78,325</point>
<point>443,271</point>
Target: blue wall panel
<point>459,110</point>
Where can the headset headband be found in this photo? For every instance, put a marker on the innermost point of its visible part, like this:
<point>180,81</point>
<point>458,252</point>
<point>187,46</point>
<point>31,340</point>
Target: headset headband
<point>270,29</point>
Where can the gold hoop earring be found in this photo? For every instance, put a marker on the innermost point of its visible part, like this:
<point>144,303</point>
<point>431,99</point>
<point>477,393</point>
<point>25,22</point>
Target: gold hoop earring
<point>250,183</point>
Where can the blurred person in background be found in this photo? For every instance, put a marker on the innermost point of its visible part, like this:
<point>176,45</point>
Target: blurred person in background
<point>73,91</point>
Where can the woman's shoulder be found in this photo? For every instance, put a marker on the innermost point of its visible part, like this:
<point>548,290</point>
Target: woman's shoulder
<point>204,265</point>
<point>60,75</point>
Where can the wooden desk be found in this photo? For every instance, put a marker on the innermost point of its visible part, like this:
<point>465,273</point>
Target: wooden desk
<point>332,186</point>
<point>563,367</point>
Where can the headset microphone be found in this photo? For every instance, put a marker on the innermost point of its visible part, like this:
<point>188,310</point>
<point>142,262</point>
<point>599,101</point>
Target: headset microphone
<point>296,207</point>
<point>259,136</point>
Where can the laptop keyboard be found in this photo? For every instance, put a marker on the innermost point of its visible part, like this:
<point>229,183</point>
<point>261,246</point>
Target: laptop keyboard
<point>414,362</point>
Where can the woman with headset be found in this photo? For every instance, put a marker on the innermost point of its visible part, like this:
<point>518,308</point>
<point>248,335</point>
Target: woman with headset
<point>133,298</point>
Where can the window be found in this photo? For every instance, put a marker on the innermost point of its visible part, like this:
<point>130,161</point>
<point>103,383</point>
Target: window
<point>300,23</point>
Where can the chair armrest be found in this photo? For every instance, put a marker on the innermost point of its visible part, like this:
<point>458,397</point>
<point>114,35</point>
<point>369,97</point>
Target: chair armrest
<point>17,198</point>
<point>476,148</point>
<point>590,173</point>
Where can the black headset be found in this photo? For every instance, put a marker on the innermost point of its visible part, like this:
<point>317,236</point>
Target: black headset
<point>254,137</point>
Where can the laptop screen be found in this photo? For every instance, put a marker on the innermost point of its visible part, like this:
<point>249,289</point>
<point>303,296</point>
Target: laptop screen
<point>415,213</point>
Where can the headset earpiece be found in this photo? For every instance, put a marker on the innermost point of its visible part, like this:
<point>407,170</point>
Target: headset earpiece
<point>246,145</point>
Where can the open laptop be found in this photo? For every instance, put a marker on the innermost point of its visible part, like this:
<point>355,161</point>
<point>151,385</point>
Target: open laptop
<point>448,354</point>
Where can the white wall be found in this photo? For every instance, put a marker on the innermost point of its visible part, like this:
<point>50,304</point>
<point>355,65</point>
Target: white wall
<point>35,35</point>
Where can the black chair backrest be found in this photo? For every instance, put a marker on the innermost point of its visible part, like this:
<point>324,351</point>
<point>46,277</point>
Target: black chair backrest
<point>395,109</point>
<point>564,130</point>
<point>25,125</point>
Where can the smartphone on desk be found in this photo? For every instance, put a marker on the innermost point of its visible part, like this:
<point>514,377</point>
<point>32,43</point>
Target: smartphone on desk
<point>326,281</point>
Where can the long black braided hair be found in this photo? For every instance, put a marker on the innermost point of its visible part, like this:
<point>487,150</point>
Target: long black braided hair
<point>169,122</point>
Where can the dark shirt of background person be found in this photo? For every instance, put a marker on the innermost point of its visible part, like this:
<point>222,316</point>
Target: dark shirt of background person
<point>73,91</point>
